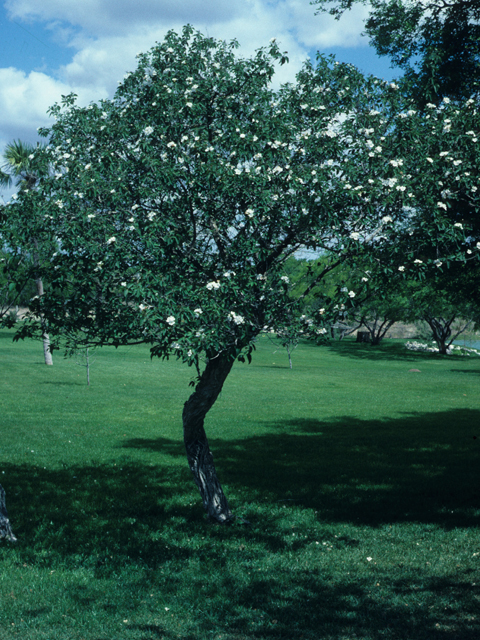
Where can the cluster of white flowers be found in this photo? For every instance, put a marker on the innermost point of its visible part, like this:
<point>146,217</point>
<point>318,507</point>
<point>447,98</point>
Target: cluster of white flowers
<point>213,285</point>
<point>198,312</point>
<point>237,319</point>
<point>249,213</point>
<point>148,131</point>
<point>285,279</point>
<point>170,320</point>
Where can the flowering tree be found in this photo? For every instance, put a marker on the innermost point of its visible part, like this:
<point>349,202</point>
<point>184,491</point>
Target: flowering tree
<point>175,204</point>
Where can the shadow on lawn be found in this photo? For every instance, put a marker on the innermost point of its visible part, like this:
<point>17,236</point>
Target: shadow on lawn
<point>421,467</point>
<point>386,351</point>
<point>135,520</point>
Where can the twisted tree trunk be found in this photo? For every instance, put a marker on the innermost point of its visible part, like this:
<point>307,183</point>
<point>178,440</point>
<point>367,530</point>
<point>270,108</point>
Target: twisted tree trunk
<point>5,528</point>
<point>200,458</point>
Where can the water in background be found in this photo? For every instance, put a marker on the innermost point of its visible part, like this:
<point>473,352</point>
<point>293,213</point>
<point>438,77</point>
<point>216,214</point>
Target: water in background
<point>471,344</point>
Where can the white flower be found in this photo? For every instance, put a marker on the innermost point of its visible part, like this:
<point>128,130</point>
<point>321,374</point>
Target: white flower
<point>401,268</point>
<point>213,285</point>
<point>277,169</point>
<point>90,216</point>
<point>189,105</point>
<point>354,235</point>
<point>393,86</point>
<point>152,215</point>
<point>456,163</point>
<point>111,240</point>
<point>170,320</point>
<point>364,279</point>
<point>172,145</point>
<point>386,219</point>
<point>438,263</point>
<point>285,279</point>
<point>198,312</point>
<point>459,225</point>
<point>442,205</point>
<point>429,159</point>
<point>142,307</point>
<point>88,166</point>
<point>351,294</point>
<point>447,100</point>
<point>321,311</point>
<point>123,284</point>
<point>417,261</point>
<point>236,318</point>
<point>378,149</point>
<point>148,131</point>
<point>59,204</point>
<point>478,245</point>
<point>400,188</point>
<point>430,105</point>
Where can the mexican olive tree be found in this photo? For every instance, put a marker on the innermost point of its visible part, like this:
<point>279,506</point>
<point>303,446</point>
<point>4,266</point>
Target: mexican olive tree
<point>175,204</point>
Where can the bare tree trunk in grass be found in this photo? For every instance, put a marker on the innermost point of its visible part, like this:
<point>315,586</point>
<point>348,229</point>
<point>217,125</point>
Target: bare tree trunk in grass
<point>45,337</point>
<point>200,458</point>
<point>5,528</point>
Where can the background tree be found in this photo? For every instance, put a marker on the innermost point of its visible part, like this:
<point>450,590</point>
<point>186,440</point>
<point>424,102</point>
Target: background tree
<point>175,205</point>
<point>25,168</point>
<point>437,44</point>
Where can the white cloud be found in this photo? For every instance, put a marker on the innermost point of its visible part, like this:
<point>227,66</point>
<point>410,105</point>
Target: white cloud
<point>102,17</point>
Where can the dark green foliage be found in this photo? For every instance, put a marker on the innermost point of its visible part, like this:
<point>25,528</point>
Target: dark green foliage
<point>437,44</point>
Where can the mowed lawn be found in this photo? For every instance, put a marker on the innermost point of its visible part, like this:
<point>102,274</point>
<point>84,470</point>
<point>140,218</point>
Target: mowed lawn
<point>356,481</point>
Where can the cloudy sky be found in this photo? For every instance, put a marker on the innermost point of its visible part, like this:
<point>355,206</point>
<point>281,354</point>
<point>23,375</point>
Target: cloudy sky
<point>52,47</point>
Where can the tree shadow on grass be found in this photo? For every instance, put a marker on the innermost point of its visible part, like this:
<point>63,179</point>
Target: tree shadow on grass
<point>132,523</point>
<point>422,467</point>
<point>385,351</point>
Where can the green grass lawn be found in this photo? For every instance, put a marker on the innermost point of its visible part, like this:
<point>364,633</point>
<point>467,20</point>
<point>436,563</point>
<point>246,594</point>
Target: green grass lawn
<point>360,480</point>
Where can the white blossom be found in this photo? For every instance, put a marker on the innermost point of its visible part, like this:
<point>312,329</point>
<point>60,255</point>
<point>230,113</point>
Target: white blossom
<point>355,235</point>
<point>148,131</point>
<point>459,225</point>
<point>285,279</point>
<point>170,320</point>
<point>111,240</point>
<point>198,312</point>
<point>417,261</point>
<point>351,294</point>
<point>442,205</point>
<point>401,268</point>
<point>386,219</point>
<point>236,318</point>
<point>213,285</point>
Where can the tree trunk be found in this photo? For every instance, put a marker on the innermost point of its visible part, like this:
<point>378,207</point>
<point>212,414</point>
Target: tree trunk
<point>5,528</point>
<point>45,337</point>
<point>200,458</point>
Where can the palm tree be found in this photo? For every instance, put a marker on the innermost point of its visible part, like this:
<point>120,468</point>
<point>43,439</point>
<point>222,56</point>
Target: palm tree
<point>24,166</point>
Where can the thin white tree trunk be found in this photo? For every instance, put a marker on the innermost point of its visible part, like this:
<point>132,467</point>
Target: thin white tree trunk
<point>45,337</point>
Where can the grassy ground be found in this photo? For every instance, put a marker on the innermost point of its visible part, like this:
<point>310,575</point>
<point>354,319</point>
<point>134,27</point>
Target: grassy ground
<point>359,477</point>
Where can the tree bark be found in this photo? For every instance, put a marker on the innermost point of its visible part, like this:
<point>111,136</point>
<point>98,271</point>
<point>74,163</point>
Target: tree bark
<point>5,528</point>
<point>45,337</point>
<point>200,458</point>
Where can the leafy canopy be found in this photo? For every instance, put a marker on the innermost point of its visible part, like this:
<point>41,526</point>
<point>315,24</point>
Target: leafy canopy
<point>175,204</point>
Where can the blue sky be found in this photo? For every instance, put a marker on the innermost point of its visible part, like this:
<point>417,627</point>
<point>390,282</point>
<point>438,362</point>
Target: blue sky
<point>52,47</point>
